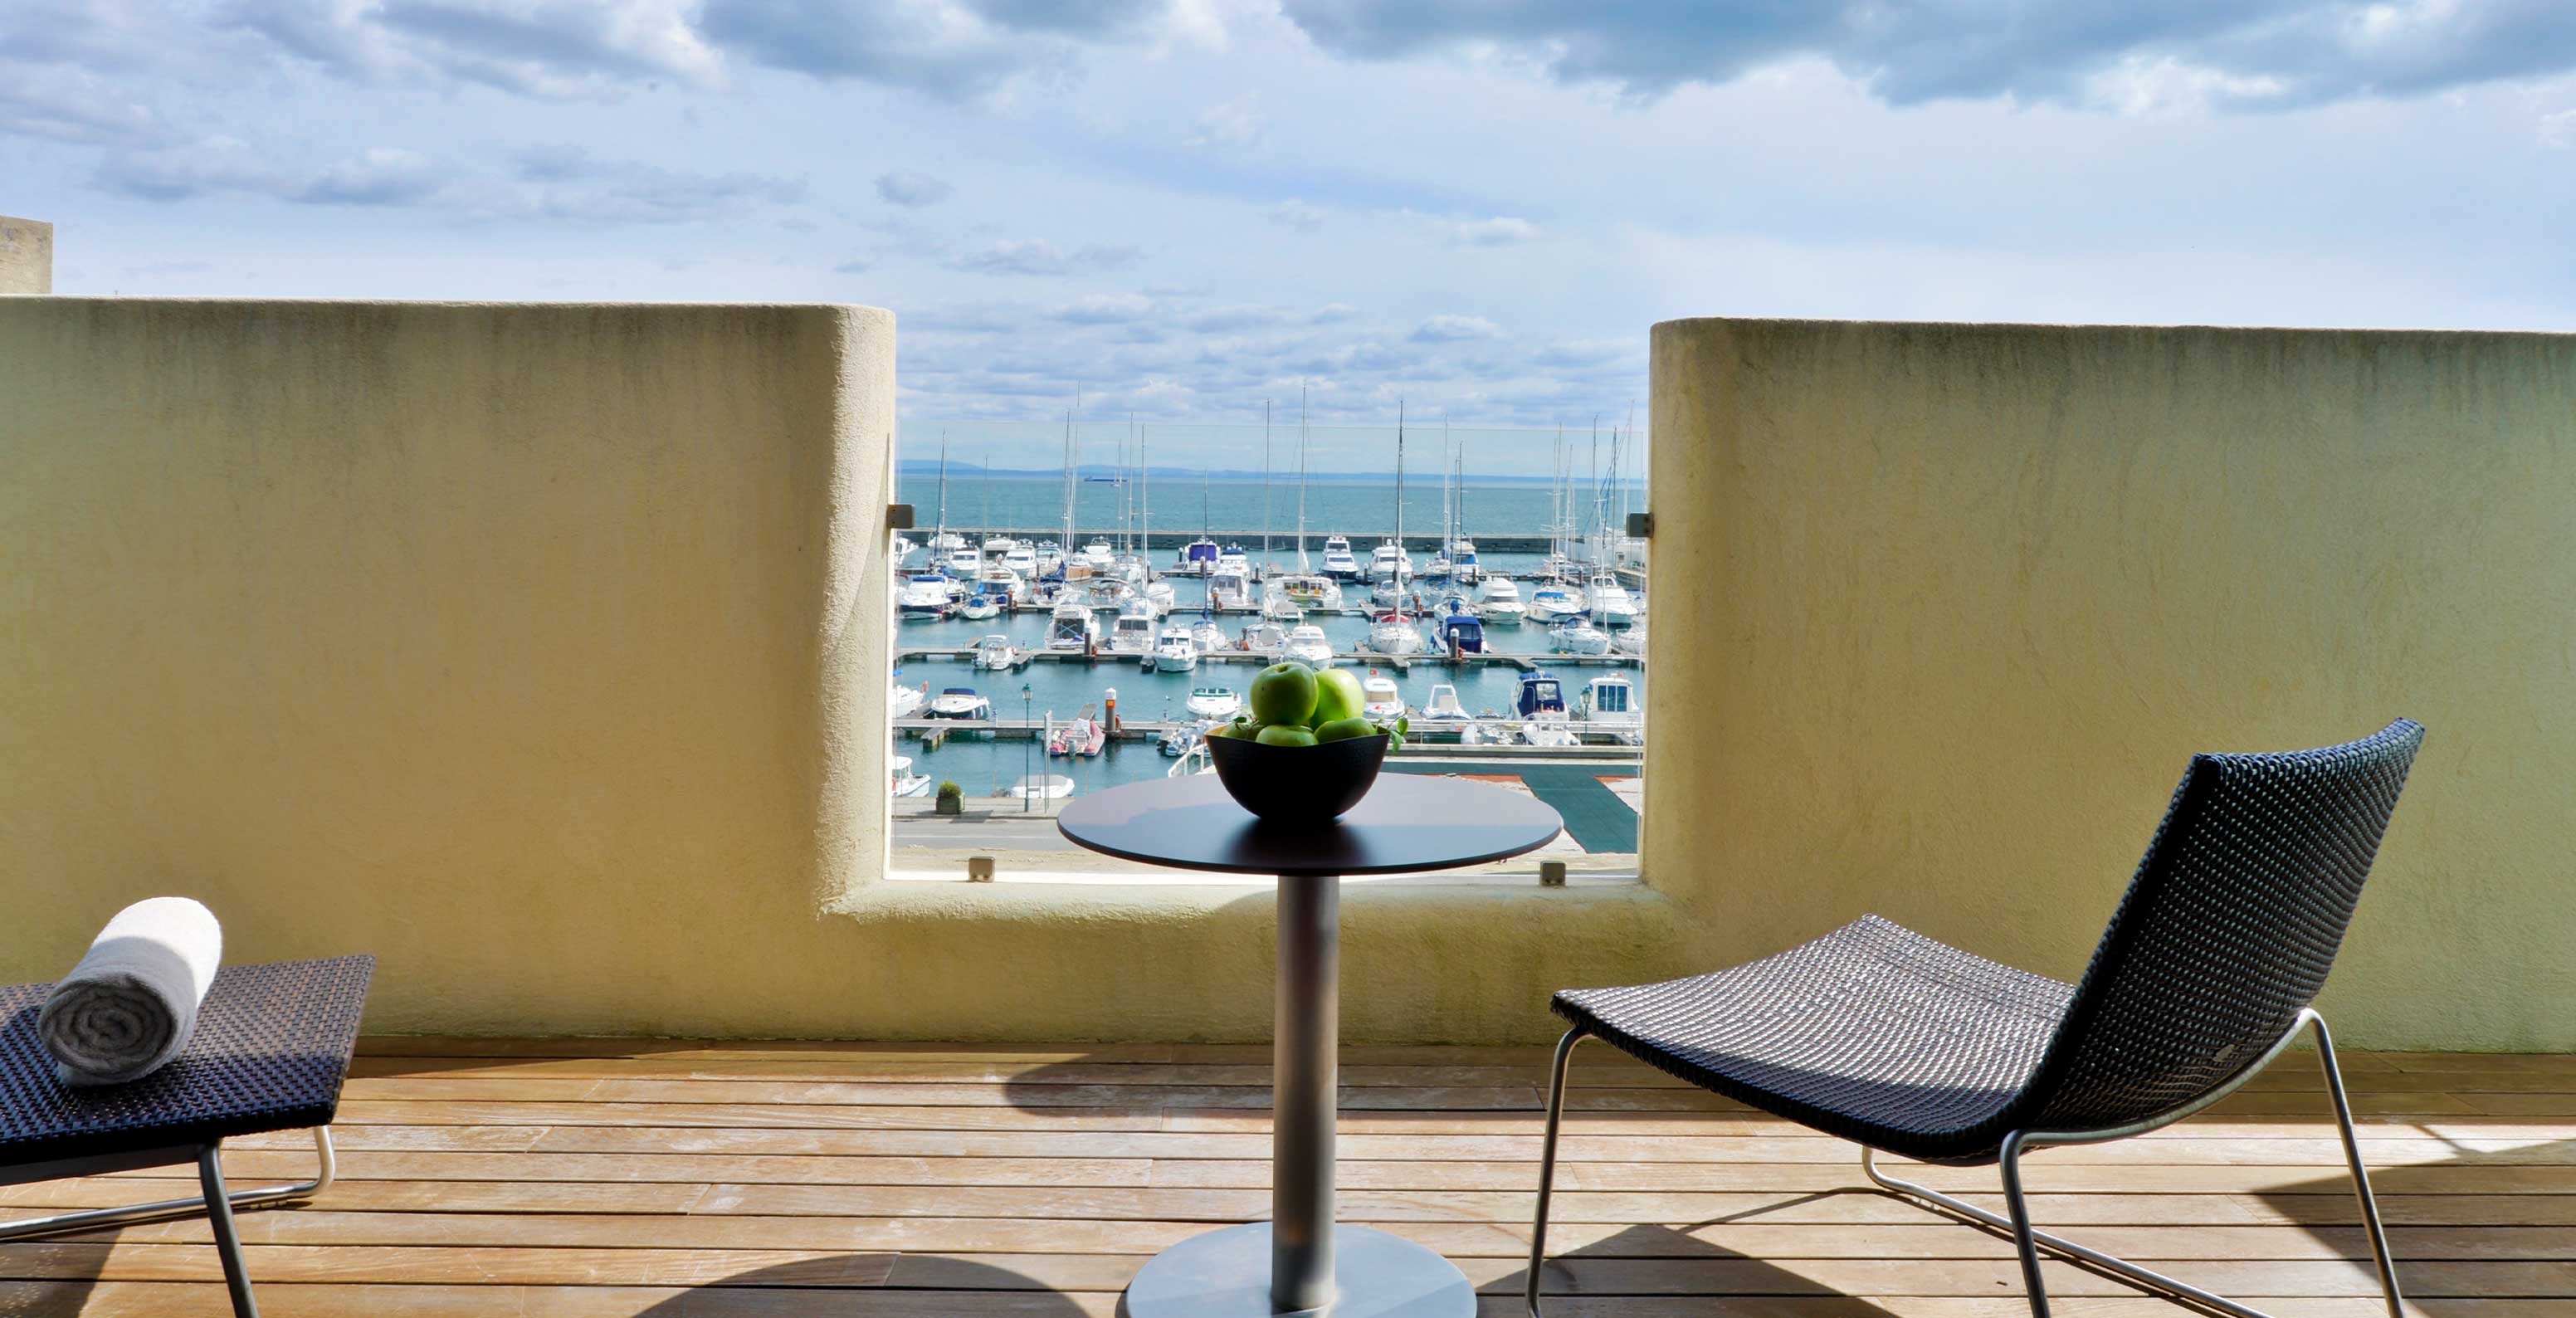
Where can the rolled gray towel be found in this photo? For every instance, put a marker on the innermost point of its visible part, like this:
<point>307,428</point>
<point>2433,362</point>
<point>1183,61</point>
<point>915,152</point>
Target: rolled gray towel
<point>131,1003</point>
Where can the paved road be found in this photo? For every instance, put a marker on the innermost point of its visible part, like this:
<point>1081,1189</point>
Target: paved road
<point>1000,833</point>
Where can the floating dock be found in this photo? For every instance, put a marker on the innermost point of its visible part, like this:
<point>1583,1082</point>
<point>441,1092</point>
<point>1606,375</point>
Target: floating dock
<point>1527,663</point>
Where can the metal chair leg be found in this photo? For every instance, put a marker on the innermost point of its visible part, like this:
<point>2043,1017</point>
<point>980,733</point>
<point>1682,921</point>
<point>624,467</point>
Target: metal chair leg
<point>219,1213</point>
<point>2033,1242</point>
<point>1547,1166</point>
<point>130,1213</point>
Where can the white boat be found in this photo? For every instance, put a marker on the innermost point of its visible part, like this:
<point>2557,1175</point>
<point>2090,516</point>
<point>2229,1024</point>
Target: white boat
<point>1632,640</point>
<point>1230,588</point>
<point>1176,652</point>
<point>941,543</point>
<point>1395,632</point>
<point>1276,606</point>
<point>960,702</point>
<point>1214,702</point>
<point>1097,555</point>
<point>1207,636</point>
<point>1379,698</point>
<point>908,783</point>
<point>979,606</point>
<point>962,562</point>
<point>1106,592</point>
<point>923,599</point>
<point>1001,583</point>
<point>1197,558</point>
<point>1022,559</point>
<point>1443,706</point>
<point>1265,638</point>
<point>1195,760</point>
<point>1233,559</point>
<point>1549,729</point>
<point>1438,569</point>
<point>904,701</point>
<point>996,548</point>
<point>1072,630</point>
<point>1043,787</point>
<point>1580,637</point>
<point>1159,594</point>
<point>903,548</point>
<point>1050,558</point>
<point>1610,602</point>
<point>996,652</point>
<point>1462,561</point>
<point>1549,605</point>
<point>1502,603</point>
<point>1390,592</point>
<point>1182,737</point>
<point>1311,591</point>
<point>1338,563</point>
<point>1611,699</point>
<point>1307,644</point>
<point>1390,564</point>
<point>1133,633</point>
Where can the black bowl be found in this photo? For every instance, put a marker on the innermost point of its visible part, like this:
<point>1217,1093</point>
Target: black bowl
<point>1297,784</point>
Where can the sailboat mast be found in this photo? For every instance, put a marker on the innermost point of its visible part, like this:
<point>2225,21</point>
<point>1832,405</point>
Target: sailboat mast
<point>1265,483</point>
<point>1301,477</point>
<point>1065,550</point>
<point>1399,492</point>
<point>942,532</point>
<point>1144,494</point>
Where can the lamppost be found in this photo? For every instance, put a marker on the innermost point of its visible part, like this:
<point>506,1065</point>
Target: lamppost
<point>1028,748</point>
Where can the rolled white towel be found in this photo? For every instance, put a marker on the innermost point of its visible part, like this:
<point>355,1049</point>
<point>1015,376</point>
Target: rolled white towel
<point>131,1003</point>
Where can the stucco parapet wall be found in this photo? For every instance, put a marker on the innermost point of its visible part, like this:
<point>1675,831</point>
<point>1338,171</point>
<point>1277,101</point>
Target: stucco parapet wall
<point>542,650</point>
<point>26,256</point>
<point>1964,599</point>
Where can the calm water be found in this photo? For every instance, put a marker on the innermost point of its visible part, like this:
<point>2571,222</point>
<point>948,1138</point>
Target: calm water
<point>1234,506</point>
<point>983,766</point>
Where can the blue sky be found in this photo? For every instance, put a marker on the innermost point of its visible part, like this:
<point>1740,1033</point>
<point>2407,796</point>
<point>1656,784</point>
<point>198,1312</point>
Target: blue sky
<point>1185,208</point>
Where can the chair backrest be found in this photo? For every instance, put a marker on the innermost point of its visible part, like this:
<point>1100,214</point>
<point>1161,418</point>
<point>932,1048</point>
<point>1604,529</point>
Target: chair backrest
<point>2226,933</point>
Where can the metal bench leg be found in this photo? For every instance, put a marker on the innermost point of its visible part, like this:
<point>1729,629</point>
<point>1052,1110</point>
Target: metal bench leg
<point>98,1217</point>
<point>1547,1165</point>
<point>2033,1242</point>
<point>219,1213</point>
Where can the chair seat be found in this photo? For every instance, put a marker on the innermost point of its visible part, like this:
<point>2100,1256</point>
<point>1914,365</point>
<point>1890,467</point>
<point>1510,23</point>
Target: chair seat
<point>271,1048</point>
<point>1873,1032</point>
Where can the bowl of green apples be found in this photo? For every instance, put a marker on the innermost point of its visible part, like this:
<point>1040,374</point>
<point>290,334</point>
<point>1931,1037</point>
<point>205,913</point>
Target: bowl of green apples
<point>1302,753</point>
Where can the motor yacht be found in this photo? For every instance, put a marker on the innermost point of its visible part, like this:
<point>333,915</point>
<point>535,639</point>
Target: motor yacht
<point>960,702</point>
<point>1502,603</point>
<point>1307,644</point>
<point>1072,629</point>
<point>996,652</point>
<point>1176,652</point>
<point>1379,698</point>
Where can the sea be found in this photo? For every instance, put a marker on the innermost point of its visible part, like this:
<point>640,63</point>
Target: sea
<point>986,766</point>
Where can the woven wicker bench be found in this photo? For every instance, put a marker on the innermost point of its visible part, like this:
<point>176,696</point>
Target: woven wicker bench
<point>1908,1046</point>
<point>271,1048</point>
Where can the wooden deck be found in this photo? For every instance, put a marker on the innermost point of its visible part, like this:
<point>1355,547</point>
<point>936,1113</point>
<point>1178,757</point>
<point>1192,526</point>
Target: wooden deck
<point>595,1178</point>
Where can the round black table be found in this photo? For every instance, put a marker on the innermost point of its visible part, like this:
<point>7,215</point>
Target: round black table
<point>1300,1261</point>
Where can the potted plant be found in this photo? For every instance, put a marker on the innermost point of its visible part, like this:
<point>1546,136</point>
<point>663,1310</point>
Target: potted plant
<point>952,799</point>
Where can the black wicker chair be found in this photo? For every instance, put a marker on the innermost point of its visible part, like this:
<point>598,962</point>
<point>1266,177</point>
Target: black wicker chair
<point>1904,1045</point>
<point>272,1046</point>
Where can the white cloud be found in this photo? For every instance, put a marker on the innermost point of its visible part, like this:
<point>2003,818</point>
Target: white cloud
<point>2558,130</point>
<point>907,188</point>
<point>1237,122</point>
<point>1298,215</point>
<point>1499,231</point>
<point>1456,329</point>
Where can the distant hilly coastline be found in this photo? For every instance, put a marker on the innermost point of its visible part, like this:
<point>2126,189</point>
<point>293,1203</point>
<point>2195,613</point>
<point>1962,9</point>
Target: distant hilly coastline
<point>1105,472</point>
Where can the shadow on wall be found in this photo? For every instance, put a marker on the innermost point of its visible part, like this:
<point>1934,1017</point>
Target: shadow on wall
<point>924,1284</point>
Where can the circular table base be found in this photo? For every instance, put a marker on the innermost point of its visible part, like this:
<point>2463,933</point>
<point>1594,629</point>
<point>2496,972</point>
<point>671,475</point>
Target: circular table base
<point>1226,1274</point>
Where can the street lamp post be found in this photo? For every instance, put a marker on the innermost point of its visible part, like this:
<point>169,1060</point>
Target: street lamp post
<point>1027,749</point>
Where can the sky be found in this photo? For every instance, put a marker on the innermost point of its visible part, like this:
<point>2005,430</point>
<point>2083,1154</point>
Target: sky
<point>1182,209</point>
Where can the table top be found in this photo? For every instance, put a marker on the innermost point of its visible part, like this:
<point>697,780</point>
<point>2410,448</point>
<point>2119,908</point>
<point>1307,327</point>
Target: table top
<point>1407,822</point>
<point>271,1047</point>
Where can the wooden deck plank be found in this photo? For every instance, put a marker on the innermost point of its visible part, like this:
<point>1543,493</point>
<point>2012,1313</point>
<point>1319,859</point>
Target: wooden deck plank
<point>690,1179</point>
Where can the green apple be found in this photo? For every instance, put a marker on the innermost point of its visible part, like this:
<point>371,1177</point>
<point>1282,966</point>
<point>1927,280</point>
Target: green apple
<point>1343,729</point>
<point>1283,735</point>
<point>1221,730</point>
<point>1283,694</point>
<point>1337,696</point>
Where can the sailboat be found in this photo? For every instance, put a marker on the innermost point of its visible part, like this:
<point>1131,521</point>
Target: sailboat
<point>1395,631</point>
<point>1198,557</point>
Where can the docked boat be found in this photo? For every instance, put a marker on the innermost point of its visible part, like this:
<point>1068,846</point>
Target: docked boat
<point>1395,632</point>
<point>1277,607</point>
<point>1550,730</point>
<point>1207,636</point>
<point>1230,587</point>
<point>1611,699</point>
<point>1631,641</point>
<point>1159,594</point>
<point>1308,645</point>
<point>1097,556</point>
<point>1214,702</point>
<point>1338,562</point>
<point>1266,638</point>
<point>996,652</point>
<point>1610,602</point>
<point>1042,787</point>
<point>1502,604</point>
<point>1550,605</point>
<point>1194,760</point>
<point>1182,737</point>
<point>924,598</point>
<point>960,702</point>
<point>1233,559</point>
<point>1438,570</point>
<point>1072,630</point>
<point>1311,591</point>
<point>1577,636</point>
<point>908,783</point>
<point>1541,706</point>
<point>904,701</point>
<point>979,606</point>
<point>1084,736</point>
<point>962,562</point>
<point>1022,559</point>
<point>1133,632</point>
<point>1198,558</point>
<point>1444,706</point>
<point>1390,564</point>
<point>1176,652</point>
<point>1460,632</point>
<point>1001,583</point>
<point>1106,592</point>
<point>996,548</point>
<point>1379,698</point>
<point>1050,559</point>
<point>1462,562</point>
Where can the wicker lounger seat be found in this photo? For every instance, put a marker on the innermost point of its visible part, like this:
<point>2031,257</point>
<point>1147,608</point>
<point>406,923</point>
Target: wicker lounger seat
<point>271,1049</point>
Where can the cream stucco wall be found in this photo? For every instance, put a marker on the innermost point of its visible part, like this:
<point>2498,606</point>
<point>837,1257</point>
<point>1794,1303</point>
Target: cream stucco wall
<point>26,256</point>
<point>1965,599</point>
<point>541,650</point>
